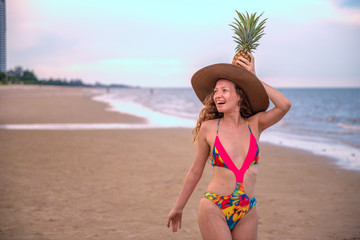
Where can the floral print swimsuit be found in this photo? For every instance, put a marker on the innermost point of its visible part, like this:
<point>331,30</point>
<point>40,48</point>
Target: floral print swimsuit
<point>237,204</point>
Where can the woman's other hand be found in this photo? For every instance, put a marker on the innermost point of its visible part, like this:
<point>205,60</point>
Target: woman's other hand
<point>174,219</point>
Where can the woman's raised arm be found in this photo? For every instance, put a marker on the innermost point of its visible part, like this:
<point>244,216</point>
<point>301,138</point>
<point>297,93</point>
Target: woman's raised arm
<point>281,104</point>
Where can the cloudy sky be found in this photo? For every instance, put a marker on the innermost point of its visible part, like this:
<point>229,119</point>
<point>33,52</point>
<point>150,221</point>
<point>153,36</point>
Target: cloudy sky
<point>161,43</point>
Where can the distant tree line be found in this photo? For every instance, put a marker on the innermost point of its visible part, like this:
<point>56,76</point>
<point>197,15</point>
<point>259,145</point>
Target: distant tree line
<point>20,76</point>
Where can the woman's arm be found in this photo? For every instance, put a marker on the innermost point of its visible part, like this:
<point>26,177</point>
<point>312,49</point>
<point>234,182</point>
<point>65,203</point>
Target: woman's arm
<point>281,106</point>
<point>191,181</point>
<point>281,103</point>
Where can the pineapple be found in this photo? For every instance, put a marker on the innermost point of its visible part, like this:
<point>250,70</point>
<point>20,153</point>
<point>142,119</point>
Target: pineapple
<point>247,34</point>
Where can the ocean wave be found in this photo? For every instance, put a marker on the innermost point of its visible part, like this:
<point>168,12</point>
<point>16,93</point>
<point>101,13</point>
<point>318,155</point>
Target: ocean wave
<point>331,119</point>
<point>353,120</point>
<point>328,119</point>
<point>153,118</point>
<point>349,126</point>
<point>314,131</point>
<point>346,156</point>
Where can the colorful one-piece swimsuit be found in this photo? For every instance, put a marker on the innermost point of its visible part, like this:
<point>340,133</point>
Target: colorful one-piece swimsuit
<point>237,204</point>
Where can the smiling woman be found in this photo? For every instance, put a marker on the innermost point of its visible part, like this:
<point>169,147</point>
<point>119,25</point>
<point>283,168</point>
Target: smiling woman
<point>235,107</point>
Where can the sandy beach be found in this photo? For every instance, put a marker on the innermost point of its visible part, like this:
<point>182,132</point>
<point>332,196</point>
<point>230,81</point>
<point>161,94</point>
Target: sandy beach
<point>121,184</point>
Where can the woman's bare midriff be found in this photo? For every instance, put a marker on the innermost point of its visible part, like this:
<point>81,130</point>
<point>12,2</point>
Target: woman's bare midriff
<point>224,182</point>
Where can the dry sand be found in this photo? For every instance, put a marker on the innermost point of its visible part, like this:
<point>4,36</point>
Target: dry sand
<point>121,184</point>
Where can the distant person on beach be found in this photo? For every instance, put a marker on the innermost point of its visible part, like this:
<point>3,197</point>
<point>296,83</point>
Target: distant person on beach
<point>228,131</point>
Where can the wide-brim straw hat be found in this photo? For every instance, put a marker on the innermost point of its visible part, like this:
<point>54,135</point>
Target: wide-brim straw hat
<point>204,80</point>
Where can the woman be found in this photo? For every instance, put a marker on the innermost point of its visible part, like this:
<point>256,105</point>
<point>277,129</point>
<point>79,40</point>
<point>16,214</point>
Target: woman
<point>229,127</point>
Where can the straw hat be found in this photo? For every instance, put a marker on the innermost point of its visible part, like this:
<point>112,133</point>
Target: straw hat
<point>203,83</point>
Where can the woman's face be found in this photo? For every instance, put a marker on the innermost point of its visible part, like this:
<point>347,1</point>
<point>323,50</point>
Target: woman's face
<point>225,96</point>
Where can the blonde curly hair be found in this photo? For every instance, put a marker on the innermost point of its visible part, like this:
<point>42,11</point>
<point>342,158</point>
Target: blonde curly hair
<point>209,111</point>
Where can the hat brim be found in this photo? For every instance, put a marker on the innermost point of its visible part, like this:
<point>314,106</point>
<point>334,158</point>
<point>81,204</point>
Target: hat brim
<point>204,80</point>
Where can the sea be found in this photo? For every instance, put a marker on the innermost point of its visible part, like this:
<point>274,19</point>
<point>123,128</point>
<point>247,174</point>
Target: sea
<point>324,121</point>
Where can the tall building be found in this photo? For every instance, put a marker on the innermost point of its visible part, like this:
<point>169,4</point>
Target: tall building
<point>2,36</point>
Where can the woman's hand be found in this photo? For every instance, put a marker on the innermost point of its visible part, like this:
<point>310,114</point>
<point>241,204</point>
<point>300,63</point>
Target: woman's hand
<point>250,66</point>
<point>174,218</point>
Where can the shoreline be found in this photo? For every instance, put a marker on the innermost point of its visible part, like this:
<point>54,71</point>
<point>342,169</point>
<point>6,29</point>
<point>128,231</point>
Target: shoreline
<point>343,155</point>
<point>346,156</point>
<point>136,116</point>
<point>101,184</point>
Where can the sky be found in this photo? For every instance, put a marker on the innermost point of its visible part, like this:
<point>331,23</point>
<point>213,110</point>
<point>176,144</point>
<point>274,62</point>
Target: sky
<point>161,43</point>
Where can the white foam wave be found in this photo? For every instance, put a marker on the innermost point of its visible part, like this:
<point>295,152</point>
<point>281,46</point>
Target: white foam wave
<point>349,126</point>
<point>155,119</point>
<point>346,156</point>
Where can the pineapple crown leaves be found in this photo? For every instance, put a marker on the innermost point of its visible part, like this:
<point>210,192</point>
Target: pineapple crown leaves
<point>247,31</point>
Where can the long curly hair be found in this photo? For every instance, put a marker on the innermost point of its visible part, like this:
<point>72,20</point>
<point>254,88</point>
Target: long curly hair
<point>209,111</point>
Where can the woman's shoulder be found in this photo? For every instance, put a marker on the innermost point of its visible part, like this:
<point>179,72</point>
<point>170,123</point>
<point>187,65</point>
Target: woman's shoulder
<point>208,130</point>
<point>211,122</point>
<point>209,125</point>
<point>254,122</point>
